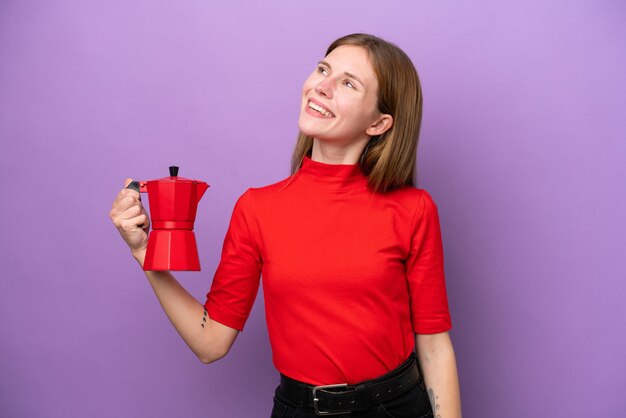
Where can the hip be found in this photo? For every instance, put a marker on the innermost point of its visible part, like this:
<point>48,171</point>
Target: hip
<point>411,400</point>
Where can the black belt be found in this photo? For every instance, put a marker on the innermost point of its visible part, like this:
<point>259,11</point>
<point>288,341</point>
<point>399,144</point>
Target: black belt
<point>342,398</point>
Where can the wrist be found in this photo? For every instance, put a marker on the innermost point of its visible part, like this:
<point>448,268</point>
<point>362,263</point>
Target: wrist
<point>139,256</point>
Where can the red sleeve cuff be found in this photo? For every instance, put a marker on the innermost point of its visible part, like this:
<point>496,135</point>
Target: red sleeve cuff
<point>223,316</point>
<point>433,327</point>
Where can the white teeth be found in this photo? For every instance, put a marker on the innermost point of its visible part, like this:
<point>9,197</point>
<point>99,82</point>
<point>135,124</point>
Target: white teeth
<point>321,110</point>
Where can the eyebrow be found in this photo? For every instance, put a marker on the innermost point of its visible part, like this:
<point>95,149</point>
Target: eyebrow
<point>345,72</point>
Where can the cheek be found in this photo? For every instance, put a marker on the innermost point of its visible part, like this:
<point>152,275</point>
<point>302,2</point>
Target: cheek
<point>355,110</point>
<point>353,120</point>
<point>368,111</point>
<point>309,84</point>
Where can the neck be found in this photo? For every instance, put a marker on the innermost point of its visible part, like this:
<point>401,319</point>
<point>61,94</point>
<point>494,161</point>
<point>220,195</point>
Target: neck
<point>338,153</point>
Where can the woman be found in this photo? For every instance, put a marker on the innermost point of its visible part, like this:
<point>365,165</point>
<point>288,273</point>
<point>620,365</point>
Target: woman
<point>349,250</point>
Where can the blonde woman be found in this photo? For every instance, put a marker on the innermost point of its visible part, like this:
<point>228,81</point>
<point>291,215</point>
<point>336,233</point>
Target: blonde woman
<point>349,249</point>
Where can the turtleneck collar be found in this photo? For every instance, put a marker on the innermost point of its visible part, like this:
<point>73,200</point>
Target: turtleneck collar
<point>333,176</point>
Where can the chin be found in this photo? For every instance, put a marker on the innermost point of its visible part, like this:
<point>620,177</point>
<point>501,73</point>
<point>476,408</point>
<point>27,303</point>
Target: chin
<point>306,129</point>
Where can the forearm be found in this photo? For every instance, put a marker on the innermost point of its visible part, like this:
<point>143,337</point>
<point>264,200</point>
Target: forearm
<point>438,365</point>
<point>186,314</point>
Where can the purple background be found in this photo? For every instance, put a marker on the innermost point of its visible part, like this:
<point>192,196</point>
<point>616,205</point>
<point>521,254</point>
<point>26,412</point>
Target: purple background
<point>522,147</point>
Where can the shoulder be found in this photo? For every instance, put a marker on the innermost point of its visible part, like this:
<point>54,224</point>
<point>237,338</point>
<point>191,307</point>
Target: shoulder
<point>419,204</point>
<point>271,188</point>
<point>269,191</point>
<point>419,199</point>
<point>427,201</point>
<point>253,195</point>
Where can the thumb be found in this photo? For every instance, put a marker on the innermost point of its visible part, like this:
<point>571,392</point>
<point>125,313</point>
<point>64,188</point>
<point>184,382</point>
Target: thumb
<point>127,182</point>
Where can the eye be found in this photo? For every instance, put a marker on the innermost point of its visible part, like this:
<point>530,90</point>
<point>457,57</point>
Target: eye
<point>322,70</point>
<point>349,84</point>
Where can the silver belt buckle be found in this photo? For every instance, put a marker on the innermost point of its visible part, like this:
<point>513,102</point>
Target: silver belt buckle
<point>315,400</point>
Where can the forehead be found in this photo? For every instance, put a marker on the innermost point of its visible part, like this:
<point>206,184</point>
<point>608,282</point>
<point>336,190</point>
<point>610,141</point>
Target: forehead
<point>352,59</point>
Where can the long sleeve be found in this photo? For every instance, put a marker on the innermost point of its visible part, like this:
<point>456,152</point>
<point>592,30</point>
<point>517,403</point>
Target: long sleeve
<point>425,272</point>
<point>236,280</point>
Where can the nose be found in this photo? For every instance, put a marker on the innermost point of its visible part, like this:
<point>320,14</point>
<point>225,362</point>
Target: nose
<point>324,88</point>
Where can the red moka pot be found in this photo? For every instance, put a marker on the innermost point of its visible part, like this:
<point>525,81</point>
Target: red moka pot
<point>173,203</point>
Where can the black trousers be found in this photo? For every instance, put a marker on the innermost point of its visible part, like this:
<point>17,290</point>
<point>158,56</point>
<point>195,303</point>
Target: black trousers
<point>413,403</point>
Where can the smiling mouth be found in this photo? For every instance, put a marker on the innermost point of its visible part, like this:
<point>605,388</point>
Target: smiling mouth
<point>320,110</point>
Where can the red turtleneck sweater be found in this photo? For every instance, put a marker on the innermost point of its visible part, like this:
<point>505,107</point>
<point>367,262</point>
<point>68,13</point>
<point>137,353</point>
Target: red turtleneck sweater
<point>348,275</point>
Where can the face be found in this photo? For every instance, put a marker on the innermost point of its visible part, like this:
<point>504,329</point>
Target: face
<point>339,99</point>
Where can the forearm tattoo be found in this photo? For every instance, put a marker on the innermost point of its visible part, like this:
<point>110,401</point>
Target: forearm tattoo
<point>203,318</point>
<point>433,402</point>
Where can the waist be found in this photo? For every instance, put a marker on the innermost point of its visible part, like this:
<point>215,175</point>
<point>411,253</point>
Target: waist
<point>339,396</point>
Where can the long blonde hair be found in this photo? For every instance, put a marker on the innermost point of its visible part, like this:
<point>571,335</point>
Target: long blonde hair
<point>388,159</point>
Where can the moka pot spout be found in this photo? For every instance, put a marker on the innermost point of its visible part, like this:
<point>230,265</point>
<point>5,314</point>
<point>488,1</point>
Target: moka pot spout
<point>201,187</point>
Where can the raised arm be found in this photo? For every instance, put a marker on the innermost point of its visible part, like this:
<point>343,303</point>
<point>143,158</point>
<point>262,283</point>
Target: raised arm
<point>208,339</point>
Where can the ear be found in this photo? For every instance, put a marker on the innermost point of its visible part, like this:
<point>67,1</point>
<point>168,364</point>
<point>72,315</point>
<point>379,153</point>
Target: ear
<point>382,124</point>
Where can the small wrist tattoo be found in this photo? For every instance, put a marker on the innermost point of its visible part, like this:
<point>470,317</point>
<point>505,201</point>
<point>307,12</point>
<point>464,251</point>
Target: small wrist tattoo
<point>204,318</point>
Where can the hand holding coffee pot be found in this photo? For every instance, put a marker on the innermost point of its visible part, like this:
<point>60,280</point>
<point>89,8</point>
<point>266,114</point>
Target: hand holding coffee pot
<point>173,203</point>
<point>131,219</point>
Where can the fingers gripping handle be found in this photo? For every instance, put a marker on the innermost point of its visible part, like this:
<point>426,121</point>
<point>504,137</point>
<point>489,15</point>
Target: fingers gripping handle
<point>134,185</point>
